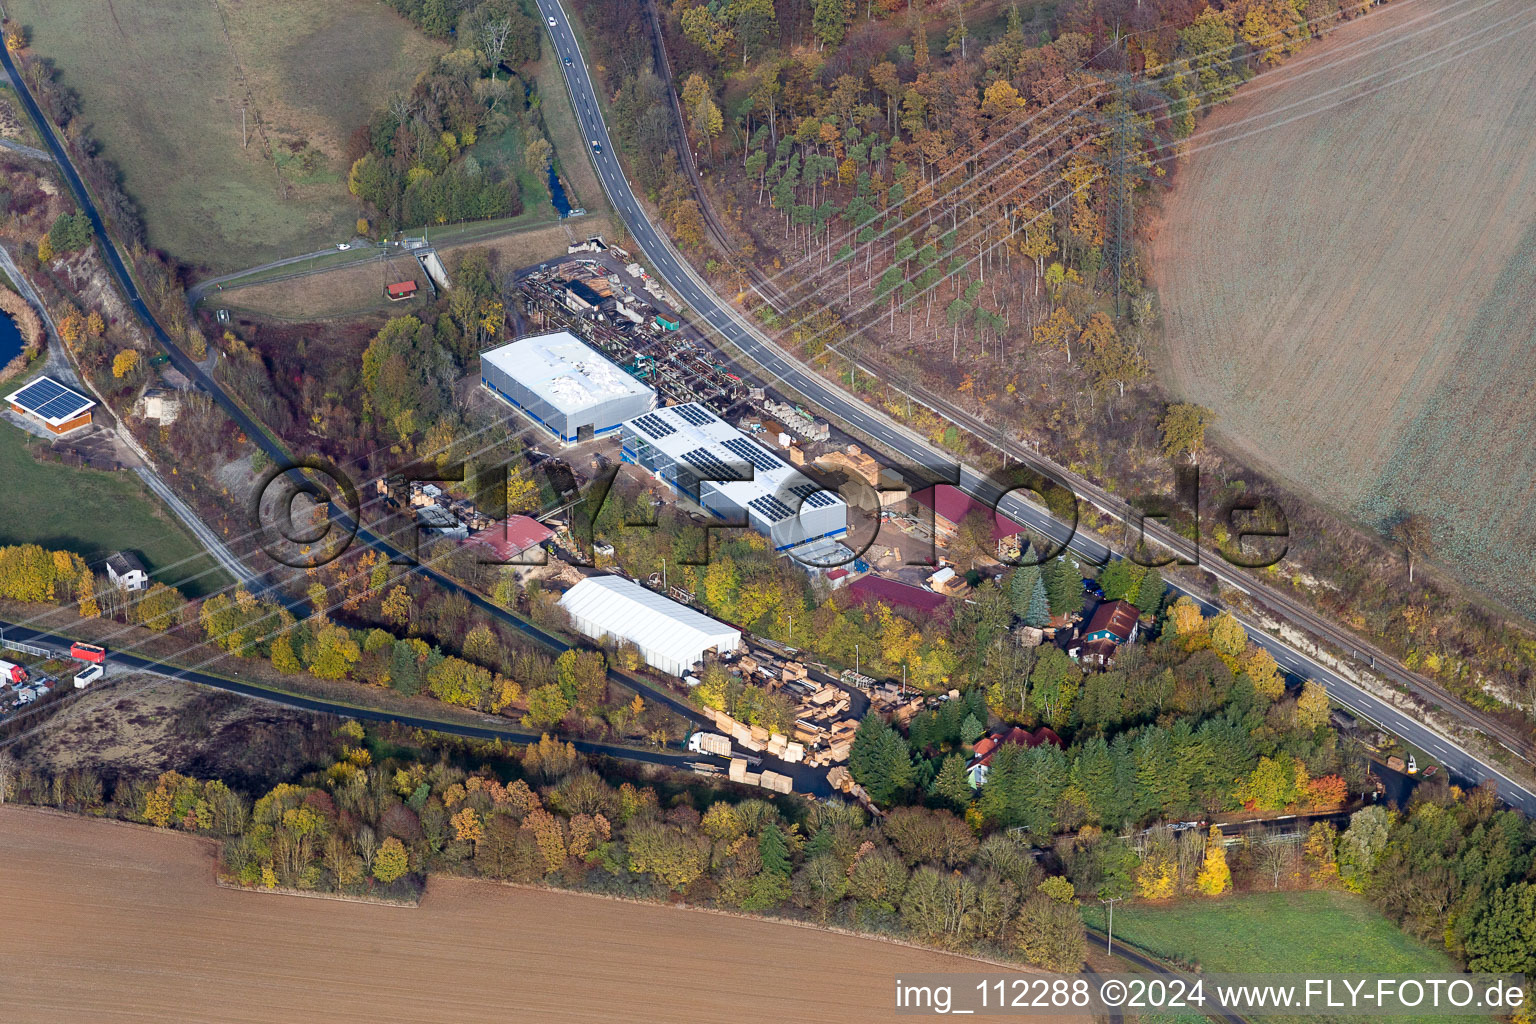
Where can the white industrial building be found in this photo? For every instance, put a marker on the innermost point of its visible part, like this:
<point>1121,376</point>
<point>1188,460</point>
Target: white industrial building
<point>671,637</point>
<point>564,384</point>
<point>698,454</point>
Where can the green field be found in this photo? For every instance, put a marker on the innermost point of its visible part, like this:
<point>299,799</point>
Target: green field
<point>163,84</point>
<point>94,513</point>
<point>1285,933</point>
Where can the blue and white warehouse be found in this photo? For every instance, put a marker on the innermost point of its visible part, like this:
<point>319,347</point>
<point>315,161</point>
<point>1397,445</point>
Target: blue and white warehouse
<point>732,476</point>
<point>564,384</point>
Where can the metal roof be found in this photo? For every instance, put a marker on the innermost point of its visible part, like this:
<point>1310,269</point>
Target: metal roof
<point>741,468</point>
<point>563,370</point>
<point>658,626</point>
<point>47,399</point>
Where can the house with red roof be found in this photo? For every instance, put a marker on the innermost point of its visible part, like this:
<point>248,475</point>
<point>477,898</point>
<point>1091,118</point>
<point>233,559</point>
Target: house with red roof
<point>1017,736</point>
<point>1113,623</point>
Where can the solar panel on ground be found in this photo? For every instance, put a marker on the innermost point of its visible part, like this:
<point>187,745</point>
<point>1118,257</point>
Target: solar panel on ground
<point>697,415</point>
<point>752,453</point>
<point>812,495</point>
<point>771,508</point>
<point>50,400</point>
<point>654,426</point>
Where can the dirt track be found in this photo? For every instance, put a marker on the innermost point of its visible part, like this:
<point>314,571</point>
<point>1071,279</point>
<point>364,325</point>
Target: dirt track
<point>108,923</point>
<point>1354,290</point>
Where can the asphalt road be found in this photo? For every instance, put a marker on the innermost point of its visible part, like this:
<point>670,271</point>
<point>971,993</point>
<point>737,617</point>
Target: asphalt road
<point>117,662</point>
<point>806,779</point>
<point>710,310</point>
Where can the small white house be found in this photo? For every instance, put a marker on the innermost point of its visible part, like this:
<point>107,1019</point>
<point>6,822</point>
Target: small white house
<point>126,571</point>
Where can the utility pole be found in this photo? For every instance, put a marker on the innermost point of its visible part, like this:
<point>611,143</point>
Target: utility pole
<point>1109,934</point>
<point>1121,167</point>
<point>244,136</point>
<point>1118,167</point>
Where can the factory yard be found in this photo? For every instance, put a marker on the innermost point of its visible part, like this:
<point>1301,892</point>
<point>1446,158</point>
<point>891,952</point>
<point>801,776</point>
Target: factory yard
<point>129,926</point>
<point>1372,345</point>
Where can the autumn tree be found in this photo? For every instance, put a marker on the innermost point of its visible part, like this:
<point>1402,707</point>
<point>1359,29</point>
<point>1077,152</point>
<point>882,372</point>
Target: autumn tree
<point>1215,877</point>
<point>125,363</point>
<point>391,861</point>
<point>1415,535</point>
<point>1183,429</point>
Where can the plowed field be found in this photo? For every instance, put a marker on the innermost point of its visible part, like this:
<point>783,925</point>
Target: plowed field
<point>105,923</point>
<point>1347,269</point>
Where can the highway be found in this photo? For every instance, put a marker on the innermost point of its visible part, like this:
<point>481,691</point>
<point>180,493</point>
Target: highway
<point>806,779</point>
<point>856,416</point>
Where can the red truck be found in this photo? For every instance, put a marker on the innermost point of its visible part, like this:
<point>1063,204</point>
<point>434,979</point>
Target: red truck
<point>10,672</point>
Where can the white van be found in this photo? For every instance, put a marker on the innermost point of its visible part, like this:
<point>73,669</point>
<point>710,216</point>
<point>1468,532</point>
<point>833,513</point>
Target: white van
<point>88,676</point>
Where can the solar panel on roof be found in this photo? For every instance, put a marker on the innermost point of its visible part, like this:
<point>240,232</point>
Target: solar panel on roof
<point>698,416</point>
<point>812,495</point>
<point>771,508</point>
<point>654,426</point>
<point>50,400</point>
<point>760,459</point>
<point>708,462</point>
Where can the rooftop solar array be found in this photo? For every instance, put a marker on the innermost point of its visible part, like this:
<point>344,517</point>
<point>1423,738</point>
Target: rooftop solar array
<point>695,414</point>
<point>812,494</point>
<point>708,462</point>
<point>51,400</point>
<point>760,460</point>
<point>771,508</point>
<point>653,426</point>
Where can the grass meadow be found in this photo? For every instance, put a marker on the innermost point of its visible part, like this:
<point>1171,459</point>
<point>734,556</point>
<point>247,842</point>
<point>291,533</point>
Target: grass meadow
<point>163,84</point>
<point>94,513</point>
<point>1282,933</point>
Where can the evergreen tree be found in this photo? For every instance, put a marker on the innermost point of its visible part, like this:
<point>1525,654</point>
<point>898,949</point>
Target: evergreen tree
<point>1149,595</point>
<point>1021,589</point>
<point>880,760</point>
<point>1121,578</point>
<point>774,850</point>
<point>1039,613</point>
<point>971,728</point>
<point>1063,586</point>
<point>953,783</point>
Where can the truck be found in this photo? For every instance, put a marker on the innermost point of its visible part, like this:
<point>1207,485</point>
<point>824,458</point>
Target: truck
<point>710,743</point>
<point>88,675</point>
<point>10,672</point>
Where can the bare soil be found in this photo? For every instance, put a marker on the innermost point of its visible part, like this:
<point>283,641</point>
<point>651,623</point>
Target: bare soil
<point>143,725</point>
<point>125,924</point>
<point>1346,272</point>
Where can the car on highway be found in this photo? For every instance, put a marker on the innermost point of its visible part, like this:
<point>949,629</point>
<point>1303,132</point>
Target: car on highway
<point>597,147</point>
<point>551,22</point>
<point>567,62</point>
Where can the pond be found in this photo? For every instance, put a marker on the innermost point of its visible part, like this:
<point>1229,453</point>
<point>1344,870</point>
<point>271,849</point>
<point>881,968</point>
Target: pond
<point>556,196</point>
<point>11,341</point>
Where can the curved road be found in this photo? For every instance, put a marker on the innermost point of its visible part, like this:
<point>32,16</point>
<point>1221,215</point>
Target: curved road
<point>489,732</point>
<point>727,323</point>
<point>734,329</point>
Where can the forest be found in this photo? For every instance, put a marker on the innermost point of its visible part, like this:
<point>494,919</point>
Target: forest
<point>388,810</point>
<point>959,196</point>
